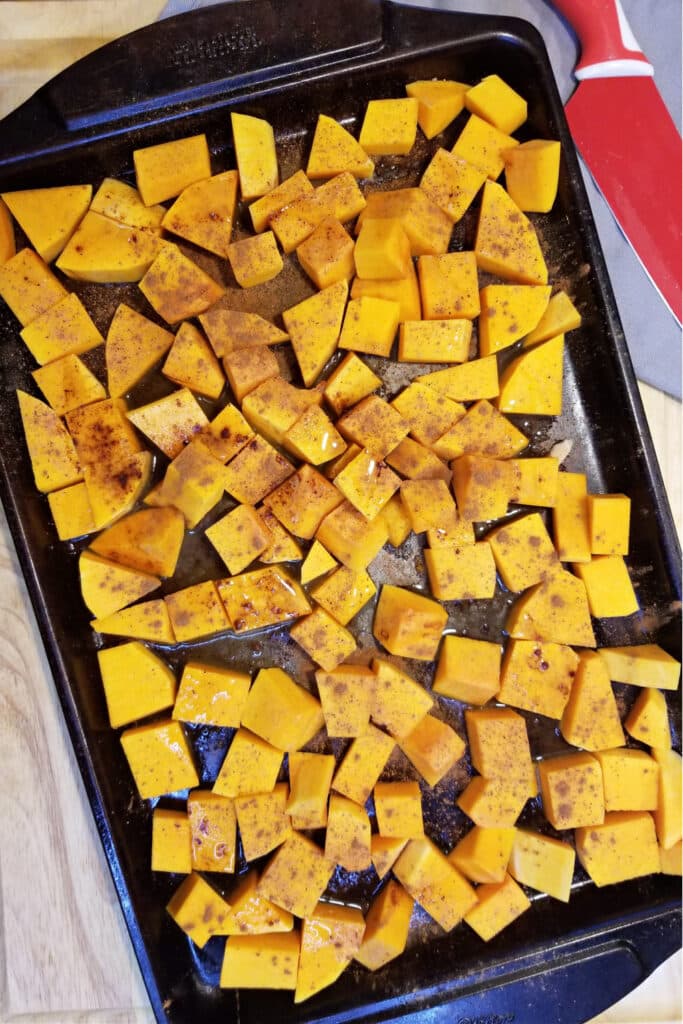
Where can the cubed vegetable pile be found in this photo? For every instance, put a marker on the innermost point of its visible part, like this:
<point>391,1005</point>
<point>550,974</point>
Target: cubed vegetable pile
<point>298,481</point>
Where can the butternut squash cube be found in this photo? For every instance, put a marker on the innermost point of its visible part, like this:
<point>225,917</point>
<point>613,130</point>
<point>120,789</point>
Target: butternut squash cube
<point>191,363</point>
<point>625,846</point>
<point>327,254</point>
<point>385,851</point>
<point>351,381</point>
<point>296,876</point>
<point>370,324</point>
<point>398,806</point>
<point>160,758</point>
<point>482,487</point>
<point>303,501</point>
<point>29,287</point>
<point>170,422</point>
<point>363,764</point>
<point>348,535</point>
<point>255,471</point>
<point>246,368</point>
<point>64,327</point>
<point>318,562</point>
<point>482,430</point>
<point>196,612</point>
<point>386,927</point>
<point>452,183</point>
<point>280,711</point>
<point>102,434</point>
<point>346,697</point>
<point>591,718</point>
<point>296,220</point>
<point>499,905</point>
<point>250,766</point>
<point>204,213</point>
<point>293,188</point>
<point>482,854</point>
<point>177,288</point>
<point>561,315</point>
<point>395,516</point>
<point>414,461</point>
<point>263,597</point>
<point>468,669</point>
<point>314,326</point>
<point>213,827</point>
<point>499,745</point>
<point>466,383</point>
<point>49,216</point>
<point>211,695</point>
<point>148,620</point>
<point>456,535</point>
<point>508,312</point>
<point>194,482</point>
<point>255,259</point>
<point>434,341</point>
<point>570,518</point>
<point>367,483</point>
<point>670,798</point>
<point>439,103</point>
<point>389,127</point>
<point>436,884</point>
<point>329,941</point>
<point>608,523</point>
<point>154,689</point>
<point>54,461</point>
<point>648,719</point>
<point>375,425</point>
<point>483,145</point>
<point>670,861</point>
<point>148,540</point>
<point>532,384</point>
<point>251,914</point>
<point>468,574</point>
<point>71,512</point>
<point>536,482</point>
<point>344,593</point>
<point>494,803</point>
<point>121,202</point>
<point>449,286</point>
<point>230,329</point>
<point>263,820</point>
<point>408,624</point>
<point>523,551</point>
<point>571,788</point>
<point>164,170</point>
<point>314,438</point>
<point>608,586</point>
<point>542,863</point>
<point>532,173</point>
<point>239,537</point>
<point>310,778</point>
<point>643,665</point>
<point>282,547</point>
<point>325,641</point>
<point>429,413</point>
<point>198,909</point>
<point>405,291</point>
<point>261,961</point>
<point>171,846</point>
<point>399,703</point>
<point>382,250</point>
<point>506,243</point>
<point>426,225</point>
<point>498,103</point>
<point>334,150</point>
<point>538,676</point>
<point>107,587</point>
<point>105,251</point>
<point>254,143</point>
<point>347,839</point>
<point>114,488</point>
<point>433,748</point>
<point>630,779</point>
<point>134,344</point>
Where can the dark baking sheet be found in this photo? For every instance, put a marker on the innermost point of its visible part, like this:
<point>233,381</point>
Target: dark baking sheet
<point>181,77</point>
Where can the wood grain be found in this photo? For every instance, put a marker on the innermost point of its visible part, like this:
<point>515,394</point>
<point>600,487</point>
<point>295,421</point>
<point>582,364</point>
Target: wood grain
<point>63,941</point>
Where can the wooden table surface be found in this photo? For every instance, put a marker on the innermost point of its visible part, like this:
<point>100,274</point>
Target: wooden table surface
<point>63,941</point>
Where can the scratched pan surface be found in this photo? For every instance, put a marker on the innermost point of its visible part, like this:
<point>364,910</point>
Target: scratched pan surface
<point>169,81</point>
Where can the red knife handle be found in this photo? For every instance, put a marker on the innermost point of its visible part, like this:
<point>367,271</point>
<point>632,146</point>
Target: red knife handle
<point>608,47</point>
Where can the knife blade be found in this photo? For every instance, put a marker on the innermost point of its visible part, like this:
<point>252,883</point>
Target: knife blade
<point>628,139</point>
